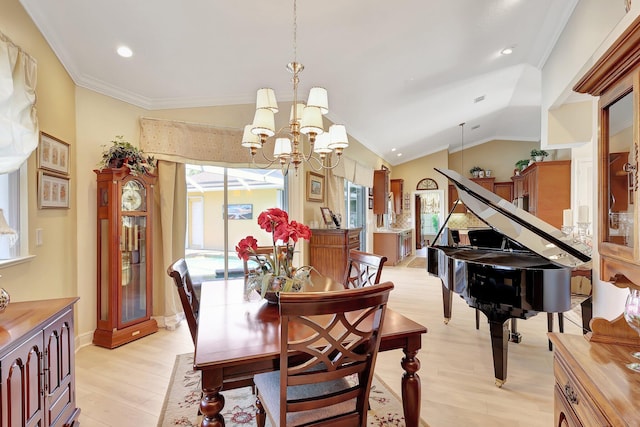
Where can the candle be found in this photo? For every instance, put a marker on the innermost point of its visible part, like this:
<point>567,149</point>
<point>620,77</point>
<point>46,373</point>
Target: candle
<point>583,214</point>
<point>567,218</point>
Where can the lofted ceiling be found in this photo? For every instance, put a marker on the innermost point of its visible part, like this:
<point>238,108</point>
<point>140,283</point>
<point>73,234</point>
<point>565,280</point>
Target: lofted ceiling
<point>401,75</point>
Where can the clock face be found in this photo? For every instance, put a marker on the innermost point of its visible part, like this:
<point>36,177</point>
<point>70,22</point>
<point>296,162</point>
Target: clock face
<point>427,184</point>
<point>132,196</point>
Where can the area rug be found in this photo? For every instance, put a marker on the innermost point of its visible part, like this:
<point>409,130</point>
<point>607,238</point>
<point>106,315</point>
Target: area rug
<point>418,262</point>
<point>183,397</point>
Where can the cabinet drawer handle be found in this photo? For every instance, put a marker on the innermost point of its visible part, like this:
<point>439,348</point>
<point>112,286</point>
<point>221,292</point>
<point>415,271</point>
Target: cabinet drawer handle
<point>570,394</point>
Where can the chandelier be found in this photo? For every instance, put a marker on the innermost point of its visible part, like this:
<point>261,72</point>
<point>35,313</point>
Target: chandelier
<point>305,120</point>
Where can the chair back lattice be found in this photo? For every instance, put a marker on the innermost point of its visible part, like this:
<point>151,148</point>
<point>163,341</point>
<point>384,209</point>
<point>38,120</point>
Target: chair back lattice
<point>331,337</point>
<point>363,269</point>
<point>190,304</point>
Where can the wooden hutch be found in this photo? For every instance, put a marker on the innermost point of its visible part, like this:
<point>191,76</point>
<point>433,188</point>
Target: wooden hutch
<point>593,385</point>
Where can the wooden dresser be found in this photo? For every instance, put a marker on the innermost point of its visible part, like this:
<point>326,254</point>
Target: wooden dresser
<point>329,250</point>
<point>37,354</point>
<point>593,385</point>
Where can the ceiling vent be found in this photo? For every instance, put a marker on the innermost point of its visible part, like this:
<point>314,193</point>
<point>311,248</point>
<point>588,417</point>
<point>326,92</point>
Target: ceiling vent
<point>478,99</point>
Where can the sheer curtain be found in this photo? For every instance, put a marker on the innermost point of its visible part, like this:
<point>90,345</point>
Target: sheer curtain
<point>19,131</point>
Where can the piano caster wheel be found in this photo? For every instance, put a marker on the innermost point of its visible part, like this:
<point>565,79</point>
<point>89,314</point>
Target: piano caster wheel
<point>515,337</point>
<point>446,321</point>
<point>499,383</point>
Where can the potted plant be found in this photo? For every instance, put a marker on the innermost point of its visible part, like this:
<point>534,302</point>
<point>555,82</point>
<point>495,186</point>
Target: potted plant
<point>538,155</point>
<point>521,164</point>
<point>122,153</point>
<point>475,171</point>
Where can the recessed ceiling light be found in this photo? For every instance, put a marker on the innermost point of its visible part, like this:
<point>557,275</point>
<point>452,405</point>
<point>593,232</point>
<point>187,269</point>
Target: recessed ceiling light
<point>399,154</point>
<point>393,149</point>
<point>507,51</point>
<point>125,52</point>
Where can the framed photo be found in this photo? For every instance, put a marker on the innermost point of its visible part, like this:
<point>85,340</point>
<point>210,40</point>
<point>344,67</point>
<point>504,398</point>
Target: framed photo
<point>53,154</point>
<point>315,187</point>
<point>370,191</point>
<point>327,216</point>
<point>370,203</point>
<point>240,211</point>
<point>53,191</point>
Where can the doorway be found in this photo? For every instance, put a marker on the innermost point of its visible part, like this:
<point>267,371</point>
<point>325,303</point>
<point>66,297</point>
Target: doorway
<point>428,214</point>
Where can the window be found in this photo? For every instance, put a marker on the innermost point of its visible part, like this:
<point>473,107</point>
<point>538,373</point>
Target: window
<point>13,202</point>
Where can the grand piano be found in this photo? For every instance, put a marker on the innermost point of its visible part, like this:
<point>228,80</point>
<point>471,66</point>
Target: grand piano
<point>515,268</point>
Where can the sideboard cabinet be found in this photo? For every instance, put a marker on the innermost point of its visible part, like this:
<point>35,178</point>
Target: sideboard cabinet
<point>37,364</point>
<point>593,387</point>
<point>329,250</point>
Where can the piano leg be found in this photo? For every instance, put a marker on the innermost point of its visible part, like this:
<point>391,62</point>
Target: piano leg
<point>447,302</point>
<point>499,346</point>
<point>587,313</point>
<point>514,335</point>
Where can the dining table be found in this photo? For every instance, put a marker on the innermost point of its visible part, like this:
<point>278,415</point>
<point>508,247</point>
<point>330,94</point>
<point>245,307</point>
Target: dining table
<point>239,336</point>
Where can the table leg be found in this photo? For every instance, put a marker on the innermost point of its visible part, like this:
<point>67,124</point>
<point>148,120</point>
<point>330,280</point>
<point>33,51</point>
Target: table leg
<point>411,388</point>
<point>212,401</point>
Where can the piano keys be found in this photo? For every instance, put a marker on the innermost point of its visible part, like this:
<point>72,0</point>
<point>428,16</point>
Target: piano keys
<point>515,268</point>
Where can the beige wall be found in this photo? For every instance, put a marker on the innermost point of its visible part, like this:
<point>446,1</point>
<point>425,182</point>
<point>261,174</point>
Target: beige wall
<point>52,273</point>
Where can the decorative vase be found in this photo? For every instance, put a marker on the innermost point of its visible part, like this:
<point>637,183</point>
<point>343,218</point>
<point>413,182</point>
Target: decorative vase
<point>4,299</point>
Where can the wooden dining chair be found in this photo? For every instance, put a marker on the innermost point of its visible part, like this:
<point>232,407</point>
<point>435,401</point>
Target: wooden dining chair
<point>328,348</point>
<point>363,269</point>
<point>190,304</point>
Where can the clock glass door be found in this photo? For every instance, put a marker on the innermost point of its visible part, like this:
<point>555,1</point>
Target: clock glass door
<point>133,249</point>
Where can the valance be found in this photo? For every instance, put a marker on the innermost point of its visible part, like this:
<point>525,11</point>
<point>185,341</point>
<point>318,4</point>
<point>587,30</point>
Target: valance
<point>354,172</point>
<point>183,142</point>
<point>19,130</point>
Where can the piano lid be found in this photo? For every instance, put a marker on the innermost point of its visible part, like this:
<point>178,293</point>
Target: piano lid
<point>518,224</point>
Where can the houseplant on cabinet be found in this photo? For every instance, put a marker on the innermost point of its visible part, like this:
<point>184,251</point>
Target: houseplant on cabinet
<point>538,155</point>
<point>123,153</point>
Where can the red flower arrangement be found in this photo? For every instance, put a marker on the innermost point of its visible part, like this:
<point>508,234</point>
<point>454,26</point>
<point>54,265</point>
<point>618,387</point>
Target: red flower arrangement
<point>275,272</point>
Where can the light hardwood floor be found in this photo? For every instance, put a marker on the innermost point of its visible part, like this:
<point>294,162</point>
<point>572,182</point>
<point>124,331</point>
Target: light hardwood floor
<point>126,386</point>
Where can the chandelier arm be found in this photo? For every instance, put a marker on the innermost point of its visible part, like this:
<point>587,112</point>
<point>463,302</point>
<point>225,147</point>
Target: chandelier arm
<point>321,165</point>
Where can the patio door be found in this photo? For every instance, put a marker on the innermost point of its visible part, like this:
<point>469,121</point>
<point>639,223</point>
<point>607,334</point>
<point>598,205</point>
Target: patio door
<point>223,207</point>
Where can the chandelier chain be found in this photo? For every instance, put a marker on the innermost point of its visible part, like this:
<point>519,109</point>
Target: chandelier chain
<point>462,148</point>
<point>295,31</point>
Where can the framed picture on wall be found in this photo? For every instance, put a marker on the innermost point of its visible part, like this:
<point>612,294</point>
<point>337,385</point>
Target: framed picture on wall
<point>53,191</point>
<point>53,154</point>
<point>315,187</point>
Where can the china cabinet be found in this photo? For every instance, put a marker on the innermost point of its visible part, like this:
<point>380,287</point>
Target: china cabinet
<point>125,208</point>
<point>594,386</point>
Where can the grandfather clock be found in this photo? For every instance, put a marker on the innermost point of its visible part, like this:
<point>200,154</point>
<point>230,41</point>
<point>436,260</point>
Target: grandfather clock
<point>125,208</point>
